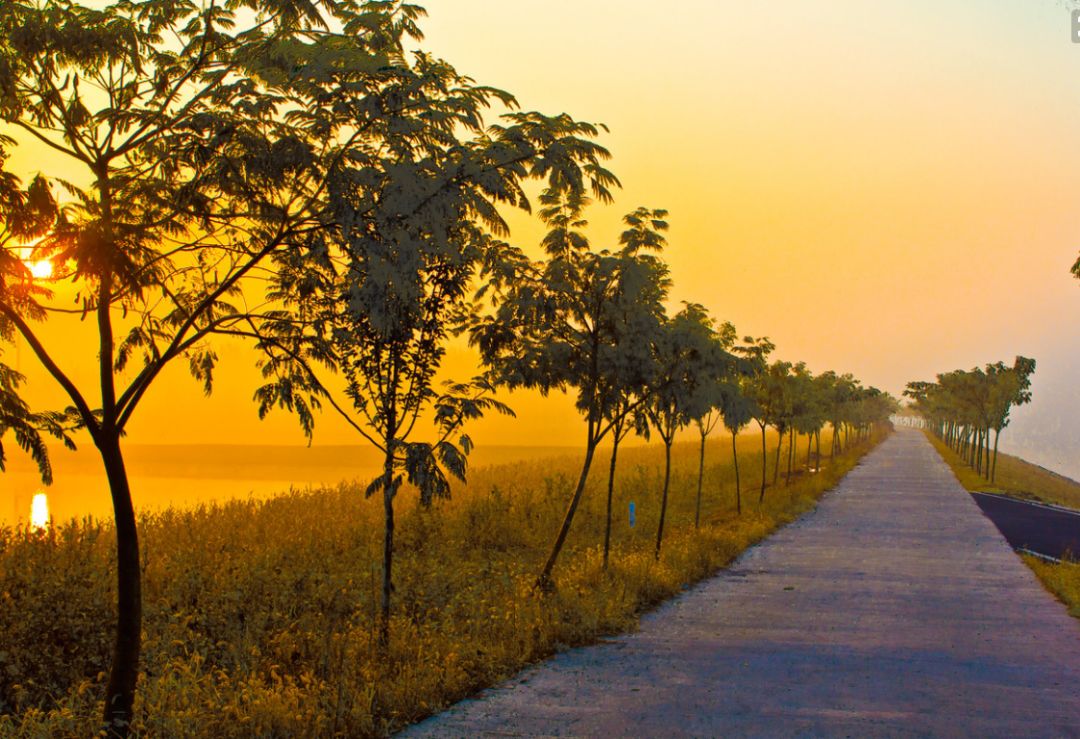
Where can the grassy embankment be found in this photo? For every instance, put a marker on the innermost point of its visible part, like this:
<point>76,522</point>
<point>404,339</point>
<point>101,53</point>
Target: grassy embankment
<point>1019,479</point>
<point>259,616</point>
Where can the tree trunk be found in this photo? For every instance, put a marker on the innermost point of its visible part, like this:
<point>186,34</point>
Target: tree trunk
<point>735,457</point>
<point>700,477</point>
<point>764,465</point>
<point>120,691</point>
<point>817,448</point>
<point>776,464</point>
<point>543,582</point>
<point>790,455</point>
<point>388,548</point>
<point>610,493</point>
<point>663,499</point>
<point>809,447</point>
<point>993,467</point>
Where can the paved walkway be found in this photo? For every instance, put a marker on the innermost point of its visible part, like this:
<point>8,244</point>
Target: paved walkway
<point>894,609</point>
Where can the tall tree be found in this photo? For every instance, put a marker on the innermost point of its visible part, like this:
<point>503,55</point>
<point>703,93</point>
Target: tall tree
<point>1011,386</point>
<point>755,353</point>
<point>738,410</point>
<point>690,363</point>
<point>214,151</point>
<point>408,245</point>
<point>707,400</point>
<point>637,311</point>
<point>561,323</point>
<point>772,399</point>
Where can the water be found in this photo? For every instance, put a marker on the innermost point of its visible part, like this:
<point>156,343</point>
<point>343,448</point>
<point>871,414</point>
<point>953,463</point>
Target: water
<point>185,476</point>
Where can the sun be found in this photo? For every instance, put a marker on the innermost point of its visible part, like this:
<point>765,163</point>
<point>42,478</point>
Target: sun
<point>41,269</point>
<point>39,512</point>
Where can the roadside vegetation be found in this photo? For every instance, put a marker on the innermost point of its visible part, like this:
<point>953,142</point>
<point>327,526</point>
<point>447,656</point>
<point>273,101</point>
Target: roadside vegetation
<point>1060,578</point>
<point>1015,479</point>
<point>963,407</point>
<point>296,175</point>
<point>264,618</point>
<point>1020,479</point>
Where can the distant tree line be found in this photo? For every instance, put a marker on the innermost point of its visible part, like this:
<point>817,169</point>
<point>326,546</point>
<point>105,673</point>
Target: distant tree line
<point>287,173</point>
<point>964,406</point>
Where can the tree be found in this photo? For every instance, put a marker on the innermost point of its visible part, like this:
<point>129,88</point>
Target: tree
<point>756,355</point>
<point>409,240</point>
<point>228,149</point>
<point>839,392</point>
<point>690,363</point>
<point>637,311</point>
<point>195,182</point>
<point>557,324</point>
<point>1011,386</point>
<point>738,410</point>
<point>808,412</point>
<point>962,407</point>
<point>773,402</point>
<point>25,216</point>
<point>705,405</point>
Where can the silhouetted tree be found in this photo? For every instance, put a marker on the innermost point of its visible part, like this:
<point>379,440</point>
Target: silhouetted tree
<point>755,353</point>
<point>26,214</point>
<point>738,410</point>
<point>637,311</point>
<point>234,153</point>
<point>688,356</point>
<point>565,323</point>
<point>707,400</point>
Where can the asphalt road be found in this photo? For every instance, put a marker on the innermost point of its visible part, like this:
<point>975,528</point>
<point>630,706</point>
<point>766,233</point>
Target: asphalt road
<point>893,609</point>
<point>1037,528</point>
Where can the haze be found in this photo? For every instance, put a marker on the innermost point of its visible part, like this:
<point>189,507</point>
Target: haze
<point>889,190</point>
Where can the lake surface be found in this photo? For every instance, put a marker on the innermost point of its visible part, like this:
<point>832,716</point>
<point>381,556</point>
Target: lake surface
<point>186,476</point>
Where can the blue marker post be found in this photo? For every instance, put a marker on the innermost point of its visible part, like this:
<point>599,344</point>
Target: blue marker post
<point>633,515</point>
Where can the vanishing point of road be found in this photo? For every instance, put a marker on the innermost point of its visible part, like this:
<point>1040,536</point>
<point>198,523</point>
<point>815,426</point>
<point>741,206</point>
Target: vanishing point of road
<point>895,608</point>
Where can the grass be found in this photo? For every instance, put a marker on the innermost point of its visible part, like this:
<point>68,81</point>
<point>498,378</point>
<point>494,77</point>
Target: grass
<point>1062,579</point>
<point>1014,478</point>
<point>259,616</point>
<point>1019,479</point>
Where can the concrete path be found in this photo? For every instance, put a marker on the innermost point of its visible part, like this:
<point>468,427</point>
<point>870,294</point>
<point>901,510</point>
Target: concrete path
<point>894,609</point>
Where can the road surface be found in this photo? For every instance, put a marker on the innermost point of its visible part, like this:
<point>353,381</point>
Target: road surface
<point>1048,530</point>
<point>894,609</point>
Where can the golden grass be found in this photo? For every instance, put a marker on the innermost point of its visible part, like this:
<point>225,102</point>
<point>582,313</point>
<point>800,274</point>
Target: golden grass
<point>1015,478</point>
<point>1062,579</point>
<point>259,616</point>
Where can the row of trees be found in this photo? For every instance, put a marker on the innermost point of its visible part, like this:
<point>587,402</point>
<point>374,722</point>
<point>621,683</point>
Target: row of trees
<point>963,406</point>
<point>593,322</point>
<point>286,173</point>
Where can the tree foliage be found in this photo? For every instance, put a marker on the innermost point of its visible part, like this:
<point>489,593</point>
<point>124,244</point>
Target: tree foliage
<point>963,406</point>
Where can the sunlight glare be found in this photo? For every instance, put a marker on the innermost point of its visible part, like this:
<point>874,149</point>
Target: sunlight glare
<point>39,512</point>
<point>41,270</point>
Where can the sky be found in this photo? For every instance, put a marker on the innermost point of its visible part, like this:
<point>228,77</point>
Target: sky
<point>887,189</point>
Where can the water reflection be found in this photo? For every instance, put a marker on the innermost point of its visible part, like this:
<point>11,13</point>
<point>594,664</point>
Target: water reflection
<point>39,512</point>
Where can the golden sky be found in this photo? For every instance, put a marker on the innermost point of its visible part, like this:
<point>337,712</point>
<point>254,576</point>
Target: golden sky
<point>889,189</point>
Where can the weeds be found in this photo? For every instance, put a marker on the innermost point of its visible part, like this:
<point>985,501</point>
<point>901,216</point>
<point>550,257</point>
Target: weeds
<point>260,617</point>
